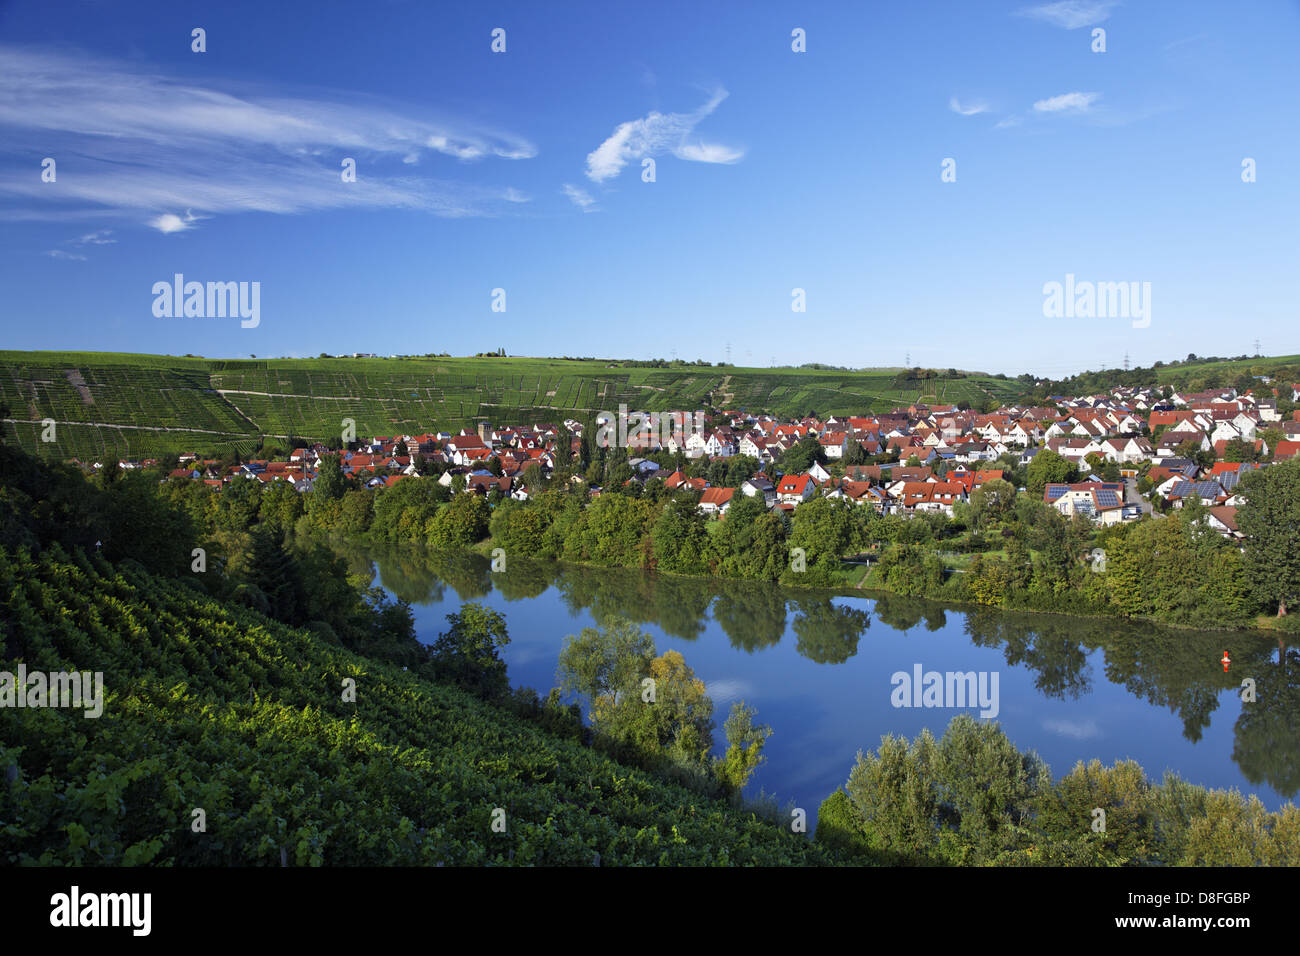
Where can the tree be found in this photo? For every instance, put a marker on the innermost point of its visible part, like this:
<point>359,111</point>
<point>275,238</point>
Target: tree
<point>330,481</point>
<point>532,478</point>
<point>1270,522</point>
<point>744,747</point>
<point>740,469</point>
<point>460,524</point>
<point>991,501</point>
<point>800,456</point>
<point>987,790</point>
<point>680,539</point>
<point>466,654</point>
<point>1177,570</point>
<point>603,664</point>
<point>751,541</point>
<point>854,453</point>
<point>355,512</point>
<point>280,505</point>
<point>110,472</point>
<point>167,463</point>
<point>143,526</point>
<point>274,573</point>
<point>671,717</point>
<point>825,528</point>
<point>1048,467</point>
<point>965,799</point>
<point>892,791</point>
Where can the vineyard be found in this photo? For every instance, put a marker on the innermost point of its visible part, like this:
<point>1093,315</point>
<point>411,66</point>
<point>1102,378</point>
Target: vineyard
<point>131,405</point>
<point>215,708</point>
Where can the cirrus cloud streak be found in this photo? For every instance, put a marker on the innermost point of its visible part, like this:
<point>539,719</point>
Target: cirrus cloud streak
<point>150,146</point>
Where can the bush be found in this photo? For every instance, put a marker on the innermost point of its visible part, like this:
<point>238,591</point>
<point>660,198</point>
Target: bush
<point>840,827</point>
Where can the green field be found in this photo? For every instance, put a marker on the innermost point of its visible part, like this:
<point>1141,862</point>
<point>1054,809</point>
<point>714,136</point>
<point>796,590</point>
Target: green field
<point>134,405</point>
<point>1227,368</point>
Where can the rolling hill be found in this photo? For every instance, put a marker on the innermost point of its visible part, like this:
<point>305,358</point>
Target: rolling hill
<point>139,405</point>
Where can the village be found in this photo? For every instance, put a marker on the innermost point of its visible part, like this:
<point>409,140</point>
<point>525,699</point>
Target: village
<point>1132,452</point>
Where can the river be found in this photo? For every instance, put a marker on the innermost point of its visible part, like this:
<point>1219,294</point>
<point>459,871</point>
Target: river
<point>819,666</point>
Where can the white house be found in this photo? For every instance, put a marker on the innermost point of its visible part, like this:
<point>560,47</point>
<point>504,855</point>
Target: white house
<point>718,445</point>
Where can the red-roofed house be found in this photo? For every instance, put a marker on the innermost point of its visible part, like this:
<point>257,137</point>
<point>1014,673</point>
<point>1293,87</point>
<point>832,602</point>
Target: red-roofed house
<point>716,500</point>
<point>794,489</point>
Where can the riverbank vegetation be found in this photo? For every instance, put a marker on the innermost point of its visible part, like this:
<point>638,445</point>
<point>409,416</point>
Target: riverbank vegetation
<point>1001,549</point>
<point>971,798</point>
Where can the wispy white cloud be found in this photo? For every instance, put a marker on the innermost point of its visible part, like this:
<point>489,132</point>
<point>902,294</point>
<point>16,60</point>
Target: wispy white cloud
<point>152,145</point>
<point>170,222</point>
<point>969,109</point>
<point>709,153</point>
<point>1066,102</point>
<point>1070,14</point>
<point>1076,729</point>
<point>98,238</point>
<point>658,133</point>
<point>580,198</point>
<point>727,690</point>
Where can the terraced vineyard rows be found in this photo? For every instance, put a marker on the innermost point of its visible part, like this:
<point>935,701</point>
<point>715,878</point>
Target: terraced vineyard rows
<point>214,707</point>
<point>234,402</point>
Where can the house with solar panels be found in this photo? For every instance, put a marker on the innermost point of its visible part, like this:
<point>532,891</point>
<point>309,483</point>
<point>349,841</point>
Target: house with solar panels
<point>1100,501</point>
<point>1210,493</point>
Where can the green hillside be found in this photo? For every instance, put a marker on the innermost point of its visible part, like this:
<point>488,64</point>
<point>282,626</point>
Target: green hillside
<point>216,707</point>
<point>1226,369</point>
<point>108,403</point>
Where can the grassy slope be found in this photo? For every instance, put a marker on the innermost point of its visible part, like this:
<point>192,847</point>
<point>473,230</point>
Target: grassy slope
<point>216,707</point>
<point>1227,368</point>
<point>311,397</point>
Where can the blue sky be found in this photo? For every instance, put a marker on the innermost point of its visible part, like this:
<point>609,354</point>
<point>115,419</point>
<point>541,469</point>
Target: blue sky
<point>774,170</point>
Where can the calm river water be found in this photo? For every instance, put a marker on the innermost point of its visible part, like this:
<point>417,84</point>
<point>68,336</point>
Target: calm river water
<point>818,668</point>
